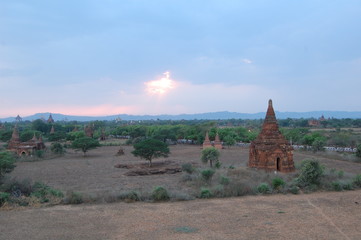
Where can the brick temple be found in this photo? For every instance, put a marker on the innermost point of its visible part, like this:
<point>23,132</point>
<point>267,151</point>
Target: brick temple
<point>270,150</point>
<point>24,148</point>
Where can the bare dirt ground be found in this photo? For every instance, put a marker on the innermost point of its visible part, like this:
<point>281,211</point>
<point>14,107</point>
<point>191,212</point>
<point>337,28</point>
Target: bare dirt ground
<point>326,215</point>
<point>331,215</point>
<point>95,174</point>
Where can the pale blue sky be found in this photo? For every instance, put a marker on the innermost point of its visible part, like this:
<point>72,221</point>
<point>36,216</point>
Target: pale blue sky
<point>96,57</point>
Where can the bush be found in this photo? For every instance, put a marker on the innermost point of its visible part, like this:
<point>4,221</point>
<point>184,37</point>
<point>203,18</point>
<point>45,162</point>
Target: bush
<point>73,198</point>
<point>277,183</point>
<point>210,154</point>
<point>337,186</point>
<point>57,148</point>
<point>224,180</point>
<point>207,174</point>
<point>39,153</point>
<point>311,173</point>
<point>43,192</point>
<point>3,197</point>
<point>357,181</point>
<point>187,167</point>
<point>205,193</point>
<point>18,189</point>
<point>131,196</point>
<point>218,164</point>
<point>294,189</point>
<point>263,188</point>
<point>340,174</point>
<point>7,163</point>
<point>160,194</point>
<point>347,186</point>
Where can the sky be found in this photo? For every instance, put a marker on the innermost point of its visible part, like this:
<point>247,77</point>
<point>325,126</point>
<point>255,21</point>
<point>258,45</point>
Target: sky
<point>109,57</point>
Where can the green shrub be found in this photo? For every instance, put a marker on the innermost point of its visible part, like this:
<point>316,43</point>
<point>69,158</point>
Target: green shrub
<point>43,192</point>
<point>340,174</point>
<point>263,188</point>
<point>357,181</point>
<point>224,180</point>
<point>73,198</point>
<point>277,183</point>
<point>210,154</point>
<point>18,188</point>
<point>336,186</point>
<point>129,142</point>
<point>207,174</point>
<point>57,148</point>
<point>311,173</point>
<point>4,196</point>
<point>294,189</point>
<point>231,167</point>
<point>160,194</point>
<point>187,167</point>
<point>218,165</point>
<point>130,196</point>
<point>205,193</point>
<point>7,163</point>
<point>39,153</point>
<point>347,186</point>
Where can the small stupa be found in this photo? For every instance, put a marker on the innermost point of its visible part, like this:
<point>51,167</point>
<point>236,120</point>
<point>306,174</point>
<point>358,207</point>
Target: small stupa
<point>270,150</point>
<point>217,142</point>
<point>207,142</point>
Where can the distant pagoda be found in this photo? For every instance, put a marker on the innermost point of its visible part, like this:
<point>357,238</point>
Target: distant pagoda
<point>207,142</point>
<point>217,143</point>
<point>270,150</point>
<point>50,119</point>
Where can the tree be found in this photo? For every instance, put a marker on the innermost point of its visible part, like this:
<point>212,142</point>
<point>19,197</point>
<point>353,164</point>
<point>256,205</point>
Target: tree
<point>149,149</point>
<point>74,135</point>
<point>318,144</point>
<point>57,136</point>
<point>5,135</point>
<point>84,144</point>
<point>229,140</point>
<point>57,148</point>
<point>310,173</point>
<point>40,125</point>
<point>210,154</point>
<point>358,151</point>
<point>7,163</point>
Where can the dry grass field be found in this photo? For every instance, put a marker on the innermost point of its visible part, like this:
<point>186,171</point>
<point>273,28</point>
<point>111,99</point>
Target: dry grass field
<point>322,215</point>
<point>328,216</point>
<point>96,174</point>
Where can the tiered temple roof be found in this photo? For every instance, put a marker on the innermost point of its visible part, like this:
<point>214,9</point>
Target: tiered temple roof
<point>270,150</point>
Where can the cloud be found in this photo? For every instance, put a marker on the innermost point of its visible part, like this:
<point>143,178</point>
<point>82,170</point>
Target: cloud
<point>247,61</point>
<point>160,86</point>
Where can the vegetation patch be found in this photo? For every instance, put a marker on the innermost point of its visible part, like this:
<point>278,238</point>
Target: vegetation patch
<point>160,194</point>
<point>185,229</point>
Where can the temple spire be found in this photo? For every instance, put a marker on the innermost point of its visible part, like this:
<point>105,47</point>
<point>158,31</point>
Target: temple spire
<point>15,135</point>
<point>270,115</point>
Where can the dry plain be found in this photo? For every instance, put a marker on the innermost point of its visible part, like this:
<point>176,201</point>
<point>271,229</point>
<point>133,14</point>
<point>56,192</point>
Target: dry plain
<point>323,215</point>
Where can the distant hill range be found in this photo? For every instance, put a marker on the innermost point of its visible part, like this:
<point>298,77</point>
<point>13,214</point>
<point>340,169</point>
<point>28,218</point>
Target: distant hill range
<point>208,116</point>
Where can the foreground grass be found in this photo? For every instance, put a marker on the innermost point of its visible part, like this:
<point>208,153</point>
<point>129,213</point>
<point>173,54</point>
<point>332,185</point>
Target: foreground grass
<point>225,181</point>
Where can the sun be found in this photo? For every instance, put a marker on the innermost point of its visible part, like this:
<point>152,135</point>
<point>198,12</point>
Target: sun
<point>161,86</point>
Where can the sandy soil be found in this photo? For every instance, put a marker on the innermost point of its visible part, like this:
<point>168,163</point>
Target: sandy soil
<point>335,215</point>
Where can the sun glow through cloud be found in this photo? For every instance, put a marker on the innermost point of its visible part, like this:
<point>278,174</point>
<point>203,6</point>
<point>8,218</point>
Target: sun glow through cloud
<point>161,86</point>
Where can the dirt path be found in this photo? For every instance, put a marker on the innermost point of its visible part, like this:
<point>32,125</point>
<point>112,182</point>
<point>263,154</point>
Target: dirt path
<point>335,215</point>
